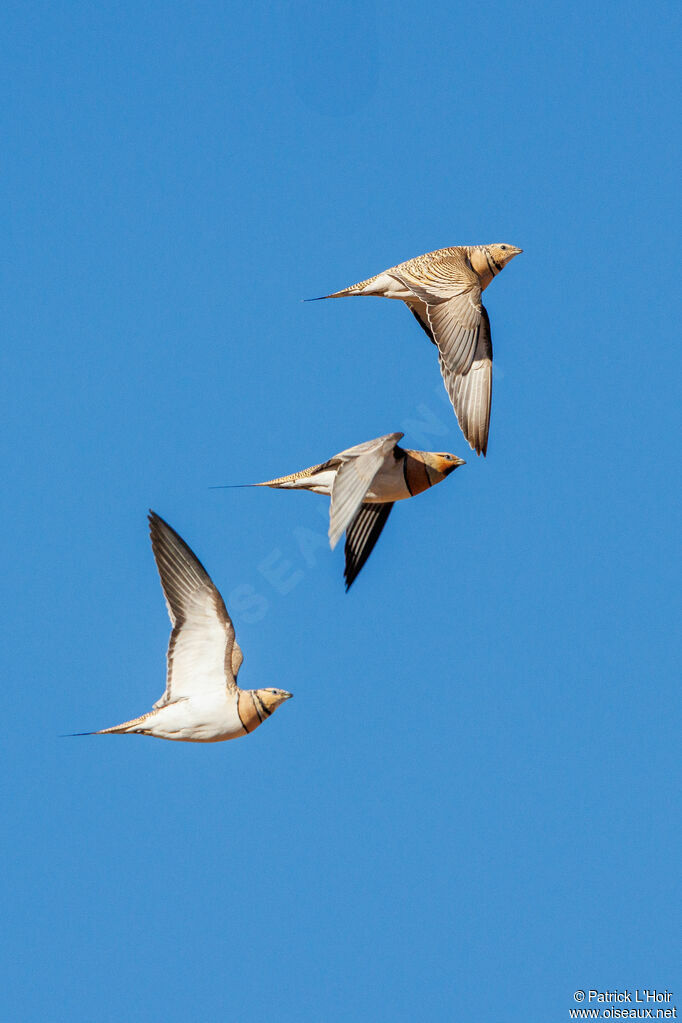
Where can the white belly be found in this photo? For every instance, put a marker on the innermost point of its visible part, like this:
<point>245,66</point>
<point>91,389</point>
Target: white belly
<point>320,483</point>
<point>200,720</point>
<point>387,287</point>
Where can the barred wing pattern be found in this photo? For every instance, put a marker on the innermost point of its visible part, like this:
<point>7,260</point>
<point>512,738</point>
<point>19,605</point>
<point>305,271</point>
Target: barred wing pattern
<point>448,307</point>
<point>361,536</point>
<point>203,654</point>
<point>471,393</point>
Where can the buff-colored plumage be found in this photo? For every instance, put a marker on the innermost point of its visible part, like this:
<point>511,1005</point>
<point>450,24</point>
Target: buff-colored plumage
<point>363,483</point>
<point>202,701</point>
<point>443,290</point>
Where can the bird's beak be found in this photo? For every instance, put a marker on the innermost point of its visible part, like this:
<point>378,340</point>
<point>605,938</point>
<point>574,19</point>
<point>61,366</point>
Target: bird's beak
<point>517,252</point>
<point>447,467</point>
<point>288,696</point>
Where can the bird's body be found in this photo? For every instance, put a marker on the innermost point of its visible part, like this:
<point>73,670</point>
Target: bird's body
<point>363,483</point>
<point>204,719</point>
<point>443,291</point>
<point>403,476</point>
<point>202,701</point>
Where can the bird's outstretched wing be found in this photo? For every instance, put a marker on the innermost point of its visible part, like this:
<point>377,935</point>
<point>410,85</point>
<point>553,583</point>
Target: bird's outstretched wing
<point>361,536</point>
<point>203,654</point>
<point>450,291</point>
<point>357,468</point>
<point>418,310</point>
<point>471,393</point>
<point>448,306</point>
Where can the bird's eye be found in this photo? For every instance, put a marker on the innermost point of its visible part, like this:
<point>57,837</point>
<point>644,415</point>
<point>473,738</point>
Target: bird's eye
<point>504,247</point>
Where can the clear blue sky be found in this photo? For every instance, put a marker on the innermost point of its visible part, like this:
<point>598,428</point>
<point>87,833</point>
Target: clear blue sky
<point>471,808</point>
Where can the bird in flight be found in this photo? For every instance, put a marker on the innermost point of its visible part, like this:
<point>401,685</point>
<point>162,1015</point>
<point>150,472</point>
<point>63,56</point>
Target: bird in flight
<point>443,291</point>
<point>202,701</point>
<point>363,483</point>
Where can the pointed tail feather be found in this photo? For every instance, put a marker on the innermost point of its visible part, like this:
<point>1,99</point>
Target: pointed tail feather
<point>126,726</point>
<point>122,729</point>
<point>267,483</point>
<point>354,289</point>
<point>101,731</point>
<point>293,477</point>
<point>234,486</point>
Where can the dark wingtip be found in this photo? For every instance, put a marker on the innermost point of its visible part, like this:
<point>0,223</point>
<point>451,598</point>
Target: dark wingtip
<point>73,735</point>
<point>318,299</point>
<point>349,579</point>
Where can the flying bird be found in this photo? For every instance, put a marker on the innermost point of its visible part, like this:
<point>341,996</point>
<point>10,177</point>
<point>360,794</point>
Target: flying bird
<point>202,701</point>
<point>363,483</point>
<point>443,291</point>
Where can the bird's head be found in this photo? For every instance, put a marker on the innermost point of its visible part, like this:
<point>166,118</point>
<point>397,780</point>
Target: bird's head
<point>502,254</point>
<point>440,464</point>
<point>271,698</point>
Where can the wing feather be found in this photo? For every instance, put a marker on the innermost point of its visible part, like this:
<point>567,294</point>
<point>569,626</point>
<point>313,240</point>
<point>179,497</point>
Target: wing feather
<point>449,296</point>
<point>361,536</point>
<point>449,293</point>
<point>357,469</point>
<point>418,310</point>
<point>471,393</point>
<point>203,655</point>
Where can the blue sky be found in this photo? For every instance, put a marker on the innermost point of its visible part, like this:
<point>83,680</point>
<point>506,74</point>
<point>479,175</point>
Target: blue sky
<point>471,808</point>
